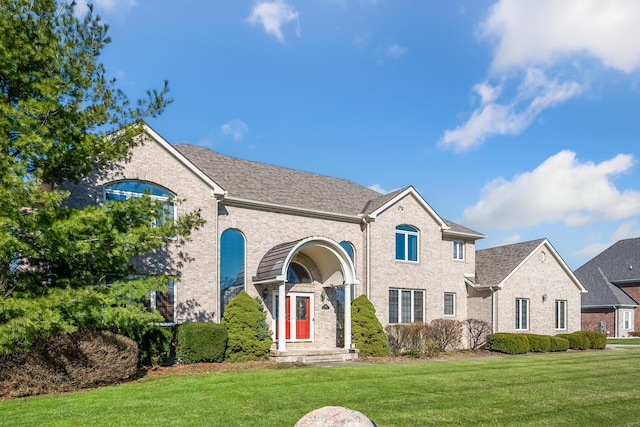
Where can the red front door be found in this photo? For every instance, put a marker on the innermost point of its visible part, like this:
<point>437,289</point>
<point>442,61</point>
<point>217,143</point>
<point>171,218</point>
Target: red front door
<point>299,315</point>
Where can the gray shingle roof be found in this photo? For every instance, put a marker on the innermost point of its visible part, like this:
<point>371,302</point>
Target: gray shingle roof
<point>493,265</point>
<point>620,263</point>
<point>261,182</point>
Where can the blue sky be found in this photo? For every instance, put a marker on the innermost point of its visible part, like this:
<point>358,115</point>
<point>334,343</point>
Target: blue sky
<point>519,119</point>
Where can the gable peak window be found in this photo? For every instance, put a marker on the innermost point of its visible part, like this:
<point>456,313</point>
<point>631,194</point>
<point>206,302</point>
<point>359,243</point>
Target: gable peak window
<point>407,243</point>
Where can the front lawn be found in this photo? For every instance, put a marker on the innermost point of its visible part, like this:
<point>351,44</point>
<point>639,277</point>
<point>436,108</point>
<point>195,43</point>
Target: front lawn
<point>624,341</point>
<point>576,388</point>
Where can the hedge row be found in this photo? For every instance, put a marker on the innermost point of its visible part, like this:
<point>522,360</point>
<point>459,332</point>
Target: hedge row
<point>510,343</point>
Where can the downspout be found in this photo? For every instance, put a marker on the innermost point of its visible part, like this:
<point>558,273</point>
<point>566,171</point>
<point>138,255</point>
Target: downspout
<point>615,322</point>
<point>368,255</point>
<point>493,309</point>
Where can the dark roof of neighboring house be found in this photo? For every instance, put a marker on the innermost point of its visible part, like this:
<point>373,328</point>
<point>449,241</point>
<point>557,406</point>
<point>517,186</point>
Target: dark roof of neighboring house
<point>493,265</point>
<point>618,264</point>
<point>261,182</point>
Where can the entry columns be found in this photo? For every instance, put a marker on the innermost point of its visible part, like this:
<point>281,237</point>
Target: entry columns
<point>282,316</point>
<point>347,316</point>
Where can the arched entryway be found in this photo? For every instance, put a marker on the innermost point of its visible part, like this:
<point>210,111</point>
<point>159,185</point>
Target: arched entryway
<point>298,281</point>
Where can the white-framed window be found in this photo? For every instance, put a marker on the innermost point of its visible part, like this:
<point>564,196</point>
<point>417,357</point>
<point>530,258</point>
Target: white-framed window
<point>163,302</point>
<point>522,314</point>
<point>458,249</point>
<point>561,314</point>
<point>407,243</point>
<point>626,320</point>
<point>406,305</point>
<point>126,189</point>
<point>449,304</point>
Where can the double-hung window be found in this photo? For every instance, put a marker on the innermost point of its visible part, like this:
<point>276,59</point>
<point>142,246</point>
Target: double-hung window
<point>626,320</point>
<point>407,244</point>
<point>522,314</point>
<point>449,304</point>
<point>458,250</point>
<point>406,306</point>
<point>561,314</point>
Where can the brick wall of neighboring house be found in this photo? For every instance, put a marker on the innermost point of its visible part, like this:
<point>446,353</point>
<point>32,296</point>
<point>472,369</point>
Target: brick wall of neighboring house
<point>633,290</point>
<point>525,283</point>
<point>195,292</point>
<point>591,319</point>
<point>435,272</point>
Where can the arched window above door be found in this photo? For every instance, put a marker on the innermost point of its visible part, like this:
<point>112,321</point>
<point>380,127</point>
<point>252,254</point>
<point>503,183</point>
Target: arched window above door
<point>297,273</point>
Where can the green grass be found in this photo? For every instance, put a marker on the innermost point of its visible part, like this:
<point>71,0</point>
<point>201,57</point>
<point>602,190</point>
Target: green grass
<point>624,341</point>
<point>576,388</point>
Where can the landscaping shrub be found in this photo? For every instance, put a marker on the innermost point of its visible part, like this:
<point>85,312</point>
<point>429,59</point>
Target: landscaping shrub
<point>447,333</point>
<point>508,343</point>
<point>597,340</point>
<point>156,346</point>
<point>366,330</point>
<point>200,342</point>
<point>558,344</point>
<point>539,343</point>
<point>249,337</point>
<point>412,340</point>
<point>576,341</point>
<point>68,362</point>
<point>477,332</point>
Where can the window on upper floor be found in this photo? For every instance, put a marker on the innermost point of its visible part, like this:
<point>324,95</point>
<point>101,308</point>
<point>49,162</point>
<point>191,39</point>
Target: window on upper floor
<point>522,314</point>
<point>122,190</point>
<point>406,305</point>
<point>561,314</point>
<point>449,304</point>
<point>458,249</point>
<point>407,243</point>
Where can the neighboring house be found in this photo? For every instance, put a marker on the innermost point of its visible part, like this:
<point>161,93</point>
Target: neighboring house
<point>307,244</point>
<point>613,281</point>
<point>525,287</point>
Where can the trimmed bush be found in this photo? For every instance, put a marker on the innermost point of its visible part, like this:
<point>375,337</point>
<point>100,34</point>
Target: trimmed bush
<point>576,341</point>
<point>366,329</point>
<point>249,334</point>
<point>538,343</point>
<point>477,332</point>
<point>156,346</point>
<point>508,343</point>
<point>597,340</point>
<point>68,362</point>
<point>447,333</point>
<point>200,342</point>
<point>412,340</point>
<point>558,344</point>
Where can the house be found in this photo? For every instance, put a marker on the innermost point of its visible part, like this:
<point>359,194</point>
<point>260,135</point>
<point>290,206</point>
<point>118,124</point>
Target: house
<point>307,244</point>
<point>613,281</point>
<point>525,287</point>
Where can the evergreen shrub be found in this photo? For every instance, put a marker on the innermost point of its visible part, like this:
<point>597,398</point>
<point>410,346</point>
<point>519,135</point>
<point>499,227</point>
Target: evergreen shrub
<point>156,346</point>
<point>366,330</point>
<point>558,344</point>
<point>248,332</point>
<point>200,342</point>
<point>597,340</point>
<point>508,343</point>
<point>539,343</point>
<point>576,341</point>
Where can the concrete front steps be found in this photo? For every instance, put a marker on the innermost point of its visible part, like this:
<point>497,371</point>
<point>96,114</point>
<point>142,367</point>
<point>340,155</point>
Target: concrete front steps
<point>307,355</point>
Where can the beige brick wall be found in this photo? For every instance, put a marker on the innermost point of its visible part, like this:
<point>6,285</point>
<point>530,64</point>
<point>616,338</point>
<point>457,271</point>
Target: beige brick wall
<point>533,280</point>
<point>436,272</point>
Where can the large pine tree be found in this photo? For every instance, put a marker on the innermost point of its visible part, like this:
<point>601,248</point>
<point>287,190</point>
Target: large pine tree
<point>61,118</point>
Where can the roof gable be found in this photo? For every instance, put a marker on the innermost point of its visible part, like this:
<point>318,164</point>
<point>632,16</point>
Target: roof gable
<point>495,266</point>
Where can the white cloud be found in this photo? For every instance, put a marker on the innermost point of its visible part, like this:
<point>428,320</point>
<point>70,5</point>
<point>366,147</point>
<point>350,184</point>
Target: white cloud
<point>395,51</point>
<point>235,128</point>
<point>509,240</point>
<point>534,95</point>
<point>378,188</point>
<point>560,189</point>
<point>626,230</point>
<point>540,31</point>
<point>272,16</point>
<point>534,39</point>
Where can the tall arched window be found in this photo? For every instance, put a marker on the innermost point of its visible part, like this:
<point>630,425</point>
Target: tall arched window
<point>407,243</point>
<point>232,271</point>
<point>122,190</point>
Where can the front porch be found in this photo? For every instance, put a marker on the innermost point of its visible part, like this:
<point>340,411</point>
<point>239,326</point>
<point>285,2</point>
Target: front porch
<point>314,355</point>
